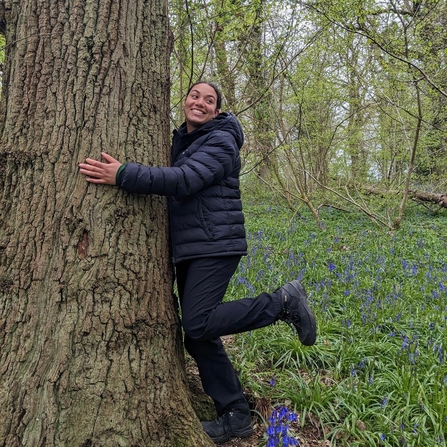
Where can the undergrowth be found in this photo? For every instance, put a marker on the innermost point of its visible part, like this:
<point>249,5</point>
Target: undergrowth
<point>378,372</point>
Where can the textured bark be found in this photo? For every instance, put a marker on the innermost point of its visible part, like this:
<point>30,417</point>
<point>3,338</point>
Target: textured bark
<point>90,347</point>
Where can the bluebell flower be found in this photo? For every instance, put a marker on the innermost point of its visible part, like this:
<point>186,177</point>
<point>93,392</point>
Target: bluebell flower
<point>405,343</point>
<point>278,429</point>
<point>244,281</point>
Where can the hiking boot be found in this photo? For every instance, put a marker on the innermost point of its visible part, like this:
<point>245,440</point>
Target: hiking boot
<point>297,313</point>
<point>234,423</point>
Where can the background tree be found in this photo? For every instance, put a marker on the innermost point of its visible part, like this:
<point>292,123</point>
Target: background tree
<point>90,350</point>
<point>327,91</point>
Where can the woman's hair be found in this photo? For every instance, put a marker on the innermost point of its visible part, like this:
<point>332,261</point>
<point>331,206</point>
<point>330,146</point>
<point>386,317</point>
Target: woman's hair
<point>216,89</point>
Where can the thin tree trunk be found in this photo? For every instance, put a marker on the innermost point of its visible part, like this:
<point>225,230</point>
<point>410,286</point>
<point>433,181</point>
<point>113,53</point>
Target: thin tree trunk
<point>410,168</point>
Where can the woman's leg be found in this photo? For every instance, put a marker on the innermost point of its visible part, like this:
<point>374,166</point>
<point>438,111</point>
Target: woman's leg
<point>205,316</point>
<point>202,284</point>
<point>218,377</point>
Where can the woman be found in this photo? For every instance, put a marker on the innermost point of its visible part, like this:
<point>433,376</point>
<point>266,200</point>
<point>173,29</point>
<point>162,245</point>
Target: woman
<point>208,240</point>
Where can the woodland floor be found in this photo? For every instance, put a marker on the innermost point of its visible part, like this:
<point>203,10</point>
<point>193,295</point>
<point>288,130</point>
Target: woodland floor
<point>310,435</point>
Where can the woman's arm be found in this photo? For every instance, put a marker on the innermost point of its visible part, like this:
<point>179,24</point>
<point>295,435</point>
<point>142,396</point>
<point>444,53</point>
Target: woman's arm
<point>207,166</point>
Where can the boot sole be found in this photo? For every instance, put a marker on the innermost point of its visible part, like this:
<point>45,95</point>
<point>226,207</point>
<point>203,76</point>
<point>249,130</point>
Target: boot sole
<point>243,433</point>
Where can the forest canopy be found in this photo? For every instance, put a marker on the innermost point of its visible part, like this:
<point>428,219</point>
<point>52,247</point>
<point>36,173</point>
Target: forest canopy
<point>336,98</point>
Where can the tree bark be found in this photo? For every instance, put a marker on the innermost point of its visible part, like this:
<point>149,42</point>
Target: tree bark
<point>90,347</point>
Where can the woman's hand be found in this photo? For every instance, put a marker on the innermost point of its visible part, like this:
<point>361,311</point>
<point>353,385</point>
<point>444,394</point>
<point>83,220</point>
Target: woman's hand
<point>99,172</point>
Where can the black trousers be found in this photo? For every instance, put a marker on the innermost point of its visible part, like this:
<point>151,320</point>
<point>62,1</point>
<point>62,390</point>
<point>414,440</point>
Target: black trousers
<point>202,284</point>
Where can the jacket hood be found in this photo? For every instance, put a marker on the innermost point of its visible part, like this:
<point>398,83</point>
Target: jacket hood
<point>225,122</point>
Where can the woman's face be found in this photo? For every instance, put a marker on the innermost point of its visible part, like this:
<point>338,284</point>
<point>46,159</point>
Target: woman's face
<point>200,106</point>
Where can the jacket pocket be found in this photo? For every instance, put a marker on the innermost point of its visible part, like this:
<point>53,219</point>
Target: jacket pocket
<point>205,219</point>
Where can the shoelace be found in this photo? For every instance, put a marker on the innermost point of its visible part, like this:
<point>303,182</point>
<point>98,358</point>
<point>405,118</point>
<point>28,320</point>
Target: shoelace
<point>287,316</point>
<point>221,418</point>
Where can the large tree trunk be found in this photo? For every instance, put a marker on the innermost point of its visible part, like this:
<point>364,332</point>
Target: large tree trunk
<point>90,348</point>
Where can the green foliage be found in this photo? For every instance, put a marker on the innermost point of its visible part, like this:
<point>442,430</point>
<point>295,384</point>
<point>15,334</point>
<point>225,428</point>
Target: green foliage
<point>378,373</point>
<point>330,93</point>
<point>2,48</point>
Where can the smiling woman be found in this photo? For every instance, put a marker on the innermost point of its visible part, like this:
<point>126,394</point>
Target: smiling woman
<point>208,240</point>
<point>202,105</point>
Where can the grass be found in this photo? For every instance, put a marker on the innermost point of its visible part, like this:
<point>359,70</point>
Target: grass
<point>378,372</point>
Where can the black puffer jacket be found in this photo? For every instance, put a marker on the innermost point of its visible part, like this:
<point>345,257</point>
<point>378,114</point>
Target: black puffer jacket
<point>203,185</point>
